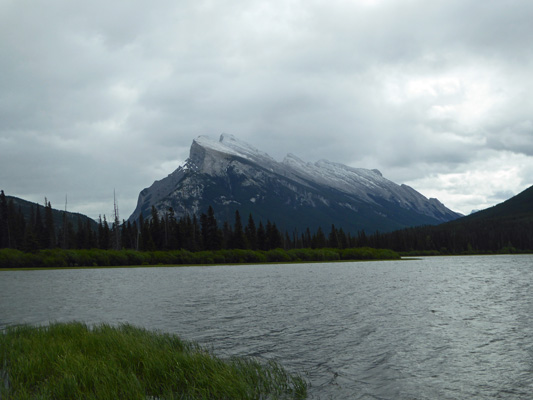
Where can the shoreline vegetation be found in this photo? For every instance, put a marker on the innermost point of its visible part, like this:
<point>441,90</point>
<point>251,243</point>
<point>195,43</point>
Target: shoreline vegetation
<point>59,258</point>
<point>74,361</point>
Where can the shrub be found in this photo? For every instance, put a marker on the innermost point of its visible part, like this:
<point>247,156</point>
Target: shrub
<point>134,257</point>
<point>11,258</point>
<point>117,257</point>
<point>100,257</point>
<point>277,255</point>
<point>330,255</point>
<point>53,259</point>
<point>301,254</point>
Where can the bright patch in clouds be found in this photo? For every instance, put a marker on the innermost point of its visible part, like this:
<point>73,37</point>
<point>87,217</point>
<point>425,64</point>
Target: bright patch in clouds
<point>484,184</point>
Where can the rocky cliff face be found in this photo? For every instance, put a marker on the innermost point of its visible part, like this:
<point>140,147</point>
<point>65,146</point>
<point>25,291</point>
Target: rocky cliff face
<point>229,174</point>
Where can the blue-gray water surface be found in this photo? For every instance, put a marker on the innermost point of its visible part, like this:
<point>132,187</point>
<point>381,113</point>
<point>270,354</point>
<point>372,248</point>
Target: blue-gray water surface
<point>435,328</point>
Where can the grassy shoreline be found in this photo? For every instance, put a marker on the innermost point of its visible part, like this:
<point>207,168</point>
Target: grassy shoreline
<point>73,360</point>
<point>58,258</point>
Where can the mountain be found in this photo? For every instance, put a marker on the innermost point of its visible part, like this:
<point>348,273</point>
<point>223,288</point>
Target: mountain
<point>230,175</point>
<point>27,206</point>
<point>505,227</point>
<point>519,208</point>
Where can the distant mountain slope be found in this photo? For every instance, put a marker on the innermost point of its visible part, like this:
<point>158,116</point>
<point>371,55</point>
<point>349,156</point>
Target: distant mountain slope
<point>517,207</point>
<point>230,174</point>
<point>26,207</point>
<point>508,224</point>
<point>504,227</point>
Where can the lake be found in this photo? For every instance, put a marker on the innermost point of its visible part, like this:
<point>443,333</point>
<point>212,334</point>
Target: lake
<point>441,327</point>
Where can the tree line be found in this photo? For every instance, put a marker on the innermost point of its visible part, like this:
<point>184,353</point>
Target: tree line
<point>503,235</point>
<point>166,232</point>
<point>38,231</point>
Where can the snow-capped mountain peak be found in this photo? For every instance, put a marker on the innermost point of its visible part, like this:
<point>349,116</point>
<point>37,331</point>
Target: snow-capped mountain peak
<point>231,174</point>
<point>242,147</point>
<point>229,145</point>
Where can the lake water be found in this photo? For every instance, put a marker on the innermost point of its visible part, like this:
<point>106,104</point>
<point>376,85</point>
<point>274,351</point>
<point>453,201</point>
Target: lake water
<point>435,328</point>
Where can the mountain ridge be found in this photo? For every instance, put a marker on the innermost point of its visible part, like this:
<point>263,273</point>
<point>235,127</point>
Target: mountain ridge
<point>516,207</point>
<point>230,174</point>
<point>26,207</point>
<point>503,228</point>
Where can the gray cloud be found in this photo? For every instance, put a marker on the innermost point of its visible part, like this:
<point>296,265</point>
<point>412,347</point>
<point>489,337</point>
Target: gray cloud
<point>99,95</point>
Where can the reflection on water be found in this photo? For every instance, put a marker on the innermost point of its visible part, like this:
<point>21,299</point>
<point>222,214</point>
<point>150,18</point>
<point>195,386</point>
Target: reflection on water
<point>444,327</point>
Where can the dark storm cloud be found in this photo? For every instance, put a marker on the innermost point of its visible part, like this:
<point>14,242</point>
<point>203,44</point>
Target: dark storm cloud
<point>102,95</point>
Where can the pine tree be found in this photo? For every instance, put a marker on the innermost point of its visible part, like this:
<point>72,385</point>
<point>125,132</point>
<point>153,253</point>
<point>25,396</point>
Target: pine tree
<point>205,231</point>
<point>49,227</point>
<point>333,238</point>
<point>155,230</point>
<point>135,236</point>
<point>173,231</point>
<point>262,242</point>
<point>31,240</point>
<point>19,229</point>
<point>287,243</point>
<point>238,240</point>
<point>362,239</point>
<point>319,239</point>
<point>116,231</point>
<point>227,234</point>
<point>91,236</point>
<point>273,236</point>
<point>65,238</point>
<point>70,233</point>
<point>146,242</point>
<point>4,232</point>
<point>11,224</point>
<point>167,228</point>
<point>306,238</point>
<point>251,233</point>
<point>125,230</point>
<point>197,235</point>
<point>81,236</point>
<point>297,240</point>
<point>343,240</point>
<point>103,234</point>
<point>39,228</point>
<point>188,233</point>
<point>212,236</point>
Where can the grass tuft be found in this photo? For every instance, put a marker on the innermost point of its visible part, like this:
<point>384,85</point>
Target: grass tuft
<point>73,360</point>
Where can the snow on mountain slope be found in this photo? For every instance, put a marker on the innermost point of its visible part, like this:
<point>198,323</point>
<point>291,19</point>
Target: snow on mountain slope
<point>223,171</point>
<point>229,145</point>
<point>364,183</point>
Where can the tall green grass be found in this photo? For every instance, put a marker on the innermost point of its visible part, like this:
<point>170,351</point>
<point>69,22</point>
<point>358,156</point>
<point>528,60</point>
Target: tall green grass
<point>75,361</point>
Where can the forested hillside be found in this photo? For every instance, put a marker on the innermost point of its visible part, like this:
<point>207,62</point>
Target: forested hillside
<point>505,227</point>
<point>29,226</point>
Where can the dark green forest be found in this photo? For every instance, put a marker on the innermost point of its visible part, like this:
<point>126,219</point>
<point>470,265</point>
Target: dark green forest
<point>505,228</point>
<point>38,242</point>
<point>40,230</point>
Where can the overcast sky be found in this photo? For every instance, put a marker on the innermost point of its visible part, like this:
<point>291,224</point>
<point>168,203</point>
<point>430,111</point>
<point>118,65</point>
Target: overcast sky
<point>97,96</point>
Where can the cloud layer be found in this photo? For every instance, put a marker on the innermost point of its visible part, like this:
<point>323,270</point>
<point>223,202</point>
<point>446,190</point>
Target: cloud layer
<point>97,96</point>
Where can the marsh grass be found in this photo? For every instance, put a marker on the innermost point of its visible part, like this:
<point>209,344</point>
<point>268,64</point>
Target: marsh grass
<point>75,361</point>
